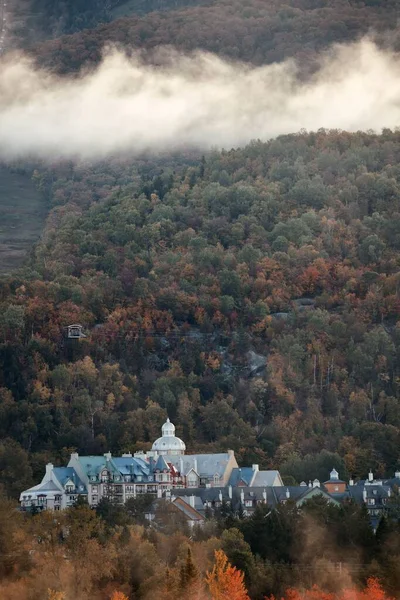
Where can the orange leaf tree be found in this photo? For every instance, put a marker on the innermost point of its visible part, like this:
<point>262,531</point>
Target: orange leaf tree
<point>226,582</point>
<point>119,596</point>
<point>372,591</point>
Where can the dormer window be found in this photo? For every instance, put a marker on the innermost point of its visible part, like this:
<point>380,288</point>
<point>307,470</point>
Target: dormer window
<point>104,476</point>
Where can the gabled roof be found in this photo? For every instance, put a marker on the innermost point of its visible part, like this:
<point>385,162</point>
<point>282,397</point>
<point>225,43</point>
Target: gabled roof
<point>267,478</point>
<point>184,505</point>
<point>301,494</point>
<point>64,474</point>
<point>42,488</point>
<point>239,474</point>
<point>206,465</point>
<point>275,495</point>
<point>378,492</point>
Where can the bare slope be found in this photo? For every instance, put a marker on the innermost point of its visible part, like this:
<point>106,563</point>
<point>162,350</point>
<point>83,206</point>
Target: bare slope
<point>22,213</point>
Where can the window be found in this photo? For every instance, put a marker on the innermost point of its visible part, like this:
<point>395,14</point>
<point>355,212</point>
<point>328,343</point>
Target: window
<point>104,476</point>
<point>371,501</point>
<point>336,488</point>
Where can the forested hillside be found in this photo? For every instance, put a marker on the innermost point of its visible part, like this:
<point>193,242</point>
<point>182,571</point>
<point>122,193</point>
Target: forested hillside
<point>71,16</point>
<point>259,32</point>
<point>253,295</point>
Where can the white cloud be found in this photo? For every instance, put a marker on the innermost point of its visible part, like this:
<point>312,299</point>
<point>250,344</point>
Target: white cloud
<point>191,101</point>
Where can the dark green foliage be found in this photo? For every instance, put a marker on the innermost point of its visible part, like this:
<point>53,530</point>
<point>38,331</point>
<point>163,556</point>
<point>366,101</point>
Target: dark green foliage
<point>188,572</point>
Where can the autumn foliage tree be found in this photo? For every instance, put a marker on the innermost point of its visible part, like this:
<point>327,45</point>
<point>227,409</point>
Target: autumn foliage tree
<point>226,582</point>
<point>372,591</point>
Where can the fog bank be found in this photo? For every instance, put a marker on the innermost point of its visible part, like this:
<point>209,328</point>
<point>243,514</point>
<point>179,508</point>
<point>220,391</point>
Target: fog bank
<point>195,101</point>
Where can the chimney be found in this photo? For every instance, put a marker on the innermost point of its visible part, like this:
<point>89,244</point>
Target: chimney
<point>49,470</point>
<point>181,465</point>
<point>397,474</point>
<point>370,476</point>
<point>220,496</point>
<point>191,500</point>
<point>310,484</point>
<point>351,481</point>
<point>389,492</point>
<point>159,492</point>
<point>287,493</point>
<point>230,492</point>
<point>242,496</point>
<point>74,456</point>
<point>264,494</point>
<point>127,455</point>
<point>316,483</point>
<point>107,455</point>
<point>364,495</point>
<point>231,453</point>
<point>195,465</point>
<point>255,468</point>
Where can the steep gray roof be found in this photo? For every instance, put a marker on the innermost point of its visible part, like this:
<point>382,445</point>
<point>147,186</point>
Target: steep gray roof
<point>48,486</point>
<point>161,464</point>
<point>206,465</point>
<point>128,465</point>
<point>241,474</point>
<point>267,478</point>
<point>92,465</point>
<point>64,474</point>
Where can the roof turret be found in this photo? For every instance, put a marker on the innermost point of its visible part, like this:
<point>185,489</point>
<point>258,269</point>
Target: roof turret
<point>168,443</point>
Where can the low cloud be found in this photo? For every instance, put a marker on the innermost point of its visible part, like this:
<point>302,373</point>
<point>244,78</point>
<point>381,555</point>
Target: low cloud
<point>196,101</point>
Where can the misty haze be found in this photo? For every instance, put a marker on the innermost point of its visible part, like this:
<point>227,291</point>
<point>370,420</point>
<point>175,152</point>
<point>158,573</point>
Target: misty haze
<point>197,101</point>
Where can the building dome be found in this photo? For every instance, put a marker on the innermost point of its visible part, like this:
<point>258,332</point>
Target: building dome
<point>168,443</point>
